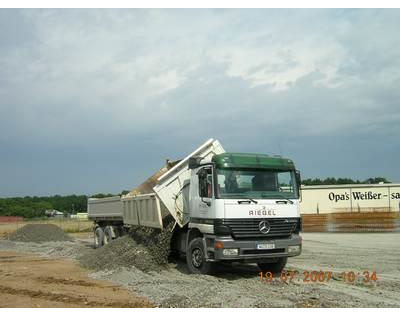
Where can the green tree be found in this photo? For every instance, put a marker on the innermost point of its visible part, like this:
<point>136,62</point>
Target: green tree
<point>332,181</point>
<point>377,180</point>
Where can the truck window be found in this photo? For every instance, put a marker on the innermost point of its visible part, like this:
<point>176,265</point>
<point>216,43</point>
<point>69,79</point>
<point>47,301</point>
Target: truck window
<point>285,182</point>
<point>254,183</point>
<point>205,183</point>
<point>264,182</point>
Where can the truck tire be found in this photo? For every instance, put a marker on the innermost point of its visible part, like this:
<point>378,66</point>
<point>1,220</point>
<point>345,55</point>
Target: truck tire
<point>195,258</point>
<point>118,231</point>
<point>98,237</point>
<point>108,235</point>
<point>273,267</point>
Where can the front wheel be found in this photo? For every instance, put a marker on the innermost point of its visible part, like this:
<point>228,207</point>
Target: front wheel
<point>196,260</point>
<point>273,267</point>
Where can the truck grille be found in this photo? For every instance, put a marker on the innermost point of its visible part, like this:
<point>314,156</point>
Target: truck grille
<point>248,228</point>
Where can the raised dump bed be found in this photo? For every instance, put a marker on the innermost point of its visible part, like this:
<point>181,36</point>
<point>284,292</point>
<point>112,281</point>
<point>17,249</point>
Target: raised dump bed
<point>145,209</point>
<point>173,186</point>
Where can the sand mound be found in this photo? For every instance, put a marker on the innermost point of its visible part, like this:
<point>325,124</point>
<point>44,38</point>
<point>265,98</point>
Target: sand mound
<point>39,233</point>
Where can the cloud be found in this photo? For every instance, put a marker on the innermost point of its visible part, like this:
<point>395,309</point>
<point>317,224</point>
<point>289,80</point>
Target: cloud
<point>260,80</point>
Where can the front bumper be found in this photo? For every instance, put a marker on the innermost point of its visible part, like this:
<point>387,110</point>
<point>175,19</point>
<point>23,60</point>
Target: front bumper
<point>248,251</point>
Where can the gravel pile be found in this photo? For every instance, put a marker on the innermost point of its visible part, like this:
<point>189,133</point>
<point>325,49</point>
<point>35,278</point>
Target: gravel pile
<point>39,233</point>
<point>121,252</point>
<point>158,243</point>
<point>49,249</point>
<point>144,248</point>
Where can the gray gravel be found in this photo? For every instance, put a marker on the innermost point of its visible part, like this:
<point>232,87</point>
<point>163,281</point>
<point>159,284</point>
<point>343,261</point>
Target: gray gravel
<point>157,242</point>
<point>240,286</point>
<point>121,252</point>
<point>39,233</point>
<point>61,249</point>
<point>144,248</point>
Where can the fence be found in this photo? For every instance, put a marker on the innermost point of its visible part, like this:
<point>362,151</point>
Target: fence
<point>352,222</point>
<point>10,219</point>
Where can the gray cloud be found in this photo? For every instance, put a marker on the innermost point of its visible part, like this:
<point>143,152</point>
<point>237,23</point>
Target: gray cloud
<point>105,95</point>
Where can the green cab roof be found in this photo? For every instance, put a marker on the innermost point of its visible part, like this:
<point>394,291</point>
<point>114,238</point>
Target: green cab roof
<point>253,161</point>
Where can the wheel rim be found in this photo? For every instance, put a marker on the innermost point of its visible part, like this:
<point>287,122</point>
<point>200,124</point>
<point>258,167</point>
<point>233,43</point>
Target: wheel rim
<point>197,257</point>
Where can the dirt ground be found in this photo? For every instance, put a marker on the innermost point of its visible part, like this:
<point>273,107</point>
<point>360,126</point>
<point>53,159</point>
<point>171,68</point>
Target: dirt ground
<point>233,286</point>
<point>33,281</point>
<point>8,228</point>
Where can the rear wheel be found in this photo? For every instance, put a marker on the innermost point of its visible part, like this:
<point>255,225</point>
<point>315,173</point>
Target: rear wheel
<point>98,237</point>
<point>196,260</point>
<point>108,236</point>
<point>119,231</point>
<point>273,267</point>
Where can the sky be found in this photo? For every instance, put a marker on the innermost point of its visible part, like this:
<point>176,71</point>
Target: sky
<point>95,100</point>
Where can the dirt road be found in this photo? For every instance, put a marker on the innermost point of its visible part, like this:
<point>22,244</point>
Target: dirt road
<point>240,285</point>
<point>33,281</point>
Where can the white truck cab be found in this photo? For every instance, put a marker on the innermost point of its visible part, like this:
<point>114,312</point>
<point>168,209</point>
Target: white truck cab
<point>243,207</point>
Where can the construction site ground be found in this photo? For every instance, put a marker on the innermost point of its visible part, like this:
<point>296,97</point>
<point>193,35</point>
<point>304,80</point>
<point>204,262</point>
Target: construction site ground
<point>34,281</point>
<point>49,275</point>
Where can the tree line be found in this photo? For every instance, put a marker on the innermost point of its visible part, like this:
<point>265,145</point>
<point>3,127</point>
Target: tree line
<point>35,206</point>
<point>330,181</point>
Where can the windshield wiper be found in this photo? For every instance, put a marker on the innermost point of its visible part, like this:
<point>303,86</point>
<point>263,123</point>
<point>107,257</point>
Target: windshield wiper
<point>277,196</point>
<point>248,200</point>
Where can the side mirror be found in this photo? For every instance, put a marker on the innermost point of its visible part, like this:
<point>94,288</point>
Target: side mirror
<point>194,162</point>
<point>298,177</point>
<point>298,181</point>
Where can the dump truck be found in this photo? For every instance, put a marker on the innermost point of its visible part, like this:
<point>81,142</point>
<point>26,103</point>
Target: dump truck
<point>226,207</point>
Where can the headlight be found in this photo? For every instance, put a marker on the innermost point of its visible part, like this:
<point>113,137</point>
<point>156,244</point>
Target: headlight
<point>222,230</point>
<point>230,252</point>
<point>293,249</point>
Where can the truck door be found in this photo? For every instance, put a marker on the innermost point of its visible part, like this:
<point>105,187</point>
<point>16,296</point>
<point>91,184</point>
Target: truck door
<point>203,202</point>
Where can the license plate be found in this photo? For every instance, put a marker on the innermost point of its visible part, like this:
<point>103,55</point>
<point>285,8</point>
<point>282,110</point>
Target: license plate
<point>265,246</point>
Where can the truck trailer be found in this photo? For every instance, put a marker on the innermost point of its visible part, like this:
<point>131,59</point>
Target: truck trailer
<point>226,207</point>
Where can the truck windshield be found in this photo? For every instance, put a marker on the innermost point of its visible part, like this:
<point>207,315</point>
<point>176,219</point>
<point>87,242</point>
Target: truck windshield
<point>255,183</point>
